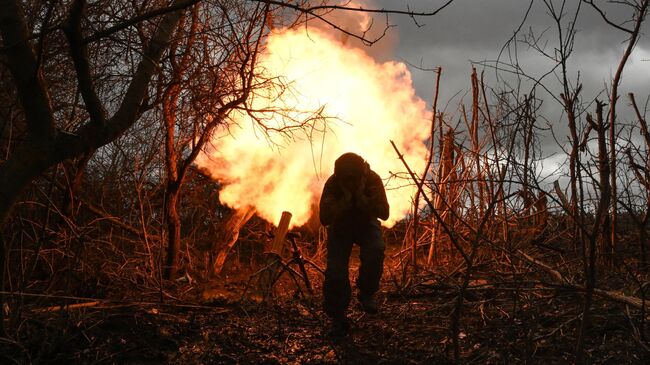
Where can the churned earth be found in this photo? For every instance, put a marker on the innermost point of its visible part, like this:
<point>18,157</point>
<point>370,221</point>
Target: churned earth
<point>504,320</point>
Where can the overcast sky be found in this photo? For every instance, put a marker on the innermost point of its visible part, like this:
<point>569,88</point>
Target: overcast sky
<point>476,30</point>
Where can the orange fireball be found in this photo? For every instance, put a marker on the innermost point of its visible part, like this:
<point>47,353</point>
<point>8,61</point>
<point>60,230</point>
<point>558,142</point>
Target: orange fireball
<point>366,104</point>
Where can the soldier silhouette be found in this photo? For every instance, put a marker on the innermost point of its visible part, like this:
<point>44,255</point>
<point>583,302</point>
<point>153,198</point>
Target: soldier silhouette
<point>353,199</point>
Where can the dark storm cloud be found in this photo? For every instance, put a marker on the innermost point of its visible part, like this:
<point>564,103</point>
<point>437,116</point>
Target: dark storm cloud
<point>491,22</point>
<point>476,30</point>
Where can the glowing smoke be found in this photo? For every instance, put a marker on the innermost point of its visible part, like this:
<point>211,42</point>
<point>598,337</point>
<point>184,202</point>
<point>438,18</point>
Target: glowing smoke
<point>370,103</point>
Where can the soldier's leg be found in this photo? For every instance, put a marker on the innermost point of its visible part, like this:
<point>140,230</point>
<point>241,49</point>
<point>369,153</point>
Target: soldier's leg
<point>372,259</point>
<point>336,288</point>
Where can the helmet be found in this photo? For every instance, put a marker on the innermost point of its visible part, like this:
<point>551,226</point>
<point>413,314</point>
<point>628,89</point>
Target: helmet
<point>349,164</point>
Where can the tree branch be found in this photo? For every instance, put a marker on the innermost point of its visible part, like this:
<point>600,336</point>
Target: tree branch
<point>312,10</point>
<point>23,66</point>
<point>177,5</point>
<point>79,54</point>
<point>604,16</point>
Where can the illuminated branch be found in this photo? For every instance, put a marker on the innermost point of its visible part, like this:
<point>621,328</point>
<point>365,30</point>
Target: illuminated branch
<point>313,11</point>
<point>435,213</point>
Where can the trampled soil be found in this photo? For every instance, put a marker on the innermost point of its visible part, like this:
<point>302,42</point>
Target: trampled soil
<point>506,319</point>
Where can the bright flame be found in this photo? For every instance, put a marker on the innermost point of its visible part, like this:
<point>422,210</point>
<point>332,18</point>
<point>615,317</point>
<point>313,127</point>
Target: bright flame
<point>371,103</point>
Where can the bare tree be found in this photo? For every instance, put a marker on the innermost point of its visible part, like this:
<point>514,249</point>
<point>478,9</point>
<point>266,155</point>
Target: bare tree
<point>196,99</point>
<point>639,12</point>
<point>48,142</point>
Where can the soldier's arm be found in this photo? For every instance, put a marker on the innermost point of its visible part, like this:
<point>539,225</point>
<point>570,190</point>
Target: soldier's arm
<point>332,204</point>
<point>377,203</point>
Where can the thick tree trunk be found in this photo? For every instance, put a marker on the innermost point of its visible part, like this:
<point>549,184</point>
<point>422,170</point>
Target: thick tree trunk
<point>174,182</point>
<point>176,169</point>
<point>31,158</point>
<point>45,145</point>
<point>173,231</point>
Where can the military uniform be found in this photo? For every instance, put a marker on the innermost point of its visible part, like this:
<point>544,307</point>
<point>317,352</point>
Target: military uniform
<point>351,217</point>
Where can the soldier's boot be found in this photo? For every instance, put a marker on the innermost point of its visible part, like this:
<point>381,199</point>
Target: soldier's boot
<point>340,327</point>
<point>368,303</point>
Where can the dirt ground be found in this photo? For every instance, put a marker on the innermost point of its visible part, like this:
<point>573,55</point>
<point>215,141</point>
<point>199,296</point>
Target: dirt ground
<point>506,319</point>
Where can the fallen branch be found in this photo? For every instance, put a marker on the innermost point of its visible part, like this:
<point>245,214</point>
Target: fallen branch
<point>110,218</point>
<point>608,294</point>
<point>66,307</point>
<point>107,303</point>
